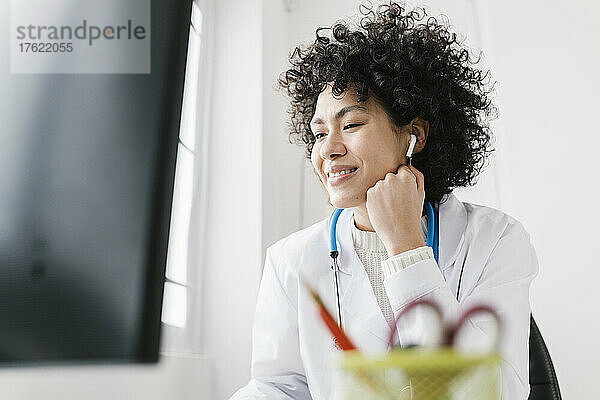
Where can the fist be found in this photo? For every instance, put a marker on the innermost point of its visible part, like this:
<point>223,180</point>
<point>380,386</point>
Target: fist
<point>394,206</point>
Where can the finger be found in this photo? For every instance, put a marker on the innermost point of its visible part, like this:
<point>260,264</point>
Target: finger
<point>407,175</point>
<point>403,169</point>
<point>370,192</point>
<point>389,176</point>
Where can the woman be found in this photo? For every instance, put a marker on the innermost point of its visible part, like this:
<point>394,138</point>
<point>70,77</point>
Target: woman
<point>356,97</point>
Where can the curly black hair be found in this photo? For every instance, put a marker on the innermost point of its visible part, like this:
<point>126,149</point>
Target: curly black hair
<point>414,66</point>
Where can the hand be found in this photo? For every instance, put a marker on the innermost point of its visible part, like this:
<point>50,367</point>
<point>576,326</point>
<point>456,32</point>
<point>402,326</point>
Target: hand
<point>395,206</point>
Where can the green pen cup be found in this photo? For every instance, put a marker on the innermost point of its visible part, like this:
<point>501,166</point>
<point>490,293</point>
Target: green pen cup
<point>418,374</point>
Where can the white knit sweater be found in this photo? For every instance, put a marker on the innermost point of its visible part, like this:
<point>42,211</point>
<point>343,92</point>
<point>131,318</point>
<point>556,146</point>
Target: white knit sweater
<point>373,255</point>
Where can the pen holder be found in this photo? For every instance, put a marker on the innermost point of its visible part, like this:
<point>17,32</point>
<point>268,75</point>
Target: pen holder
<point>418,374</point>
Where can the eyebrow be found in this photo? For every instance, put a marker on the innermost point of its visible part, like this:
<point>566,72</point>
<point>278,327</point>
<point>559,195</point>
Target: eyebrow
<point>340,114</point>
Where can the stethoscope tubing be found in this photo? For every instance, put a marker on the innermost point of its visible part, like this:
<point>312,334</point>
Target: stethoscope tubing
<point>432,233</point>
<point>333,219</point>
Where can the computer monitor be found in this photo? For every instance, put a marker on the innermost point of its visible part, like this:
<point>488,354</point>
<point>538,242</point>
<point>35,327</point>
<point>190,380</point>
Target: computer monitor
<point>87,164</point>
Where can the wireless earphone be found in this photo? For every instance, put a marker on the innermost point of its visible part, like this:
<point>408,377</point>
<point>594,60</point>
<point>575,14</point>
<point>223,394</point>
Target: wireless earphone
<point>411,147</point>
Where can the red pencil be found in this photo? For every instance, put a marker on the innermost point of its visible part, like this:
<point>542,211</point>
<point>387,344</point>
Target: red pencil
<point>338,334</point>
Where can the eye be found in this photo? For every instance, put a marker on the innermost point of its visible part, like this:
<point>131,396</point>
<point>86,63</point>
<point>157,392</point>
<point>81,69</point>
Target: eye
<point>319,135</point>
<point>350,126</point>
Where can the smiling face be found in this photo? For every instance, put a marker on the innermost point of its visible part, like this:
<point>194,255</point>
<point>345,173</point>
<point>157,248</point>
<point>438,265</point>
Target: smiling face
<point>356,145</point>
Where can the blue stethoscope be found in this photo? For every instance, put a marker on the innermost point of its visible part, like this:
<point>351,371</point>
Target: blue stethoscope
<point>432,241</point>
<point>432,235</point>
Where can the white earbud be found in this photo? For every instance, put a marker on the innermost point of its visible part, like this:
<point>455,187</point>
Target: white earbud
<point>411,146</point>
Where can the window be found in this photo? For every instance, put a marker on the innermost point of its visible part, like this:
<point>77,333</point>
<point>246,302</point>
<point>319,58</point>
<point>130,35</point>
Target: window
<point>181,305</point>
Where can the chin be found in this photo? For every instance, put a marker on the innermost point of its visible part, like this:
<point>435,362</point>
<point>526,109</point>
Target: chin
<point>344,201</point>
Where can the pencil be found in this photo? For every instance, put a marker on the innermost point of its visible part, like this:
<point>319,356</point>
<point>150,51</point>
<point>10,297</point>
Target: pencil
<point>338,334</point>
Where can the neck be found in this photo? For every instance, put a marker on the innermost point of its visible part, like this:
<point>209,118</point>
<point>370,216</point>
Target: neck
<point>361,219</point>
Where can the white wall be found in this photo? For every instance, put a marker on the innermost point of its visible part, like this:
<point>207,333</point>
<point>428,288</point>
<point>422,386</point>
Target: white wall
<point>547,65</point>
<point>281,161</point>
<point>232,259</point>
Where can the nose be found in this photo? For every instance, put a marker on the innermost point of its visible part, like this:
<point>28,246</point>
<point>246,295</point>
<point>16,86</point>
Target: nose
<point>333,146</point>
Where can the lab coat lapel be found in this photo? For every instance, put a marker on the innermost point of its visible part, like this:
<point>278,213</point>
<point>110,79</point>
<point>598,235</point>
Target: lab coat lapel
<point>453,222</point>
<point>362,317</point>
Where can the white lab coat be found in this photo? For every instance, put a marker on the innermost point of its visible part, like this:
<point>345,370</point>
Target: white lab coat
<point>292,351</point>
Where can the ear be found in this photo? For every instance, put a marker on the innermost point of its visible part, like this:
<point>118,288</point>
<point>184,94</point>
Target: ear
<point>420,128</point>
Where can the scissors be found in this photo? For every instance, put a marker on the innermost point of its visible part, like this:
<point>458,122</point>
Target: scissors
<point>448,333</point>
